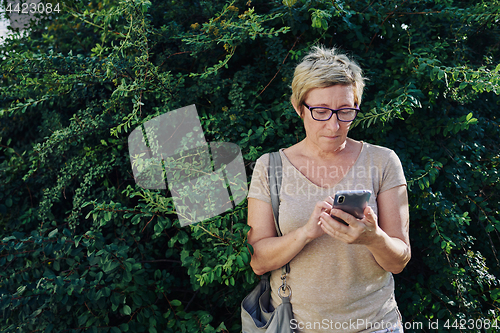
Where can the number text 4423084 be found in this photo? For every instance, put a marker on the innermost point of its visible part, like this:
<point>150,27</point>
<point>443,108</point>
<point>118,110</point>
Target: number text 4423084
<point>32,8</point>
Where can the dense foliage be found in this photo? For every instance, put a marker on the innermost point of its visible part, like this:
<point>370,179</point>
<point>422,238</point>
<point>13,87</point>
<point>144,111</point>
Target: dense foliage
<point>82,248</point>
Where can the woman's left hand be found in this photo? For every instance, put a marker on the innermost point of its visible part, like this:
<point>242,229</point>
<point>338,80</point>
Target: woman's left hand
<point>358,231</point>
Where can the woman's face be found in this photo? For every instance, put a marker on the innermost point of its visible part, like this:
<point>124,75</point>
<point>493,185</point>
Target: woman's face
<point>328,135</point>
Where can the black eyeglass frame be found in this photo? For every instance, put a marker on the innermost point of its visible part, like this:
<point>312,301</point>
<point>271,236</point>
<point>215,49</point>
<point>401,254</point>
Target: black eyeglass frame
<point>311,108</point>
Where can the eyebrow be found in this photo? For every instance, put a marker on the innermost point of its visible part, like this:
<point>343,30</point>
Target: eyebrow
<point>326,105</point>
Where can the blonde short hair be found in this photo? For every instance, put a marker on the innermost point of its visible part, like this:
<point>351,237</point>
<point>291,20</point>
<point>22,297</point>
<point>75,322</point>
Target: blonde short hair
<point>324,67</point>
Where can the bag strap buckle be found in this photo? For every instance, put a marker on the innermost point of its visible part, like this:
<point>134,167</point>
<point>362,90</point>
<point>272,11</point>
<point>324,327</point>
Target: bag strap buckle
<point>282,291</point>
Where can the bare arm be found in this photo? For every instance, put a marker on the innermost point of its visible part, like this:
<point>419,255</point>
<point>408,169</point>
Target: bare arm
<point>393,250</point>
<point>272,252</point>
<point>386,237</point>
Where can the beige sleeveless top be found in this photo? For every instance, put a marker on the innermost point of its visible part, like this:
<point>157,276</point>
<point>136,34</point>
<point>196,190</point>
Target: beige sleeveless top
<point>336,287</point>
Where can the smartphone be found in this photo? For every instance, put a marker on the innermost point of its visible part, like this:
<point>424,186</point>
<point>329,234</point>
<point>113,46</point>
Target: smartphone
<point>352,202</point>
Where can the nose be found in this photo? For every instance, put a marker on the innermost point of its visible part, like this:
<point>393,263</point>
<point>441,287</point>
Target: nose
<point>333,123</point>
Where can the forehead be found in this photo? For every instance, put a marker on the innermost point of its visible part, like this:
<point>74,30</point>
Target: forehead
<point>343,94</point>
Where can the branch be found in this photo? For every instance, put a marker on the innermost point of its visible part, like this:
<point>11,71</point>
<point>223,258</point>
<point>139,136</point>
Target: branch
<point>282,63</point>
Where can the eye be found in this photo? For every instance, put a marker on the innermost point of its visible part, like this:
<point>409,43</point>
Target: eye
<point>345,112</point>
<point>322,111</point>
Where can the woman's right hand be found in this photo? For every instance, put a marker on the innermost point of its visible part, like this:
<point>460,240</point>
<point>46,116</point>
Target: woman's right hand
<point>312,229</point>
<point>272,252</point>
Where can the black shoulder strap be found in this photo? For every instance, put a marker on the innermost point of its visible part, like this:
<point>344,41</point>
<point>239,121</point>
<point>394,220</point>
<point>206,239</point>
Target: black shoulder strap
<point>275,173</point>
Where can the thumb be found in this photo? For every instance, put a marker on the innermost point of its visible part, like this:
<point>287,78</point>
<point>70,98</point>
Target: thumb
<point>370,215</point>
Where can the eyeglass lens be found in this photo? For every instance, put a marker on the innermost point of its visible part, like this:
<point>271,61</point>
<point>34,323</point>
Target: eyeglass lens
<point>343,114</point>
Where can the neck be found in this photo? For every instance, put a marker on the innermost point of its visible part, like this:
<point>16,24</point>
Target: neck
<point>314,151</point>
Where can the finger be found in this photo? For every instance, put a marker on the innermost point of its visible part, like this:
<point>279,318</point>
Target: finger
<point>333,224</point>
<point>370,215</point>
<point>348,218</point>
<point>329,202</point>
<point>324,206</point>
<point>331,231</point>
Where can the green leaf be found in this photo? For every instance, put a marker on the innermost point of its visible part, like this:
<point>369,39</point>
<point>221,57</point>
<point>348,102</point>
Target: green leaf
<point>110,266</point>
<point>127,276</point>
<point>115,299</point>
<point>239,261</point>
<point>182,237</point>
<point>83,319</point>
<point>441,74</point>
<point>127,310</point>
<point>175,302</point>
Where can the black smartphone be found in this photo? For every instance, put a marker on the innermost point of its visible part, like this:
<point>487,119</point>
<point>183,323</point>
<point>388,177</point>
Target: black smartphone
<point>352,202</point>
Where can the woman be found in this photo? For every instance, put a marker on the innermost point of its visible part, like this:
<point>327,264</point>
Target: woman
<point>341,275</point>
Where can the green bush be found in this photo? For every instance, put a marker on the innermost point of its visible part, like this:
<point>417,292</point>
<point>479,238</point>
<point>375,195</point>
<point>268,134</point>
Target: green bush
<point>85,249</point>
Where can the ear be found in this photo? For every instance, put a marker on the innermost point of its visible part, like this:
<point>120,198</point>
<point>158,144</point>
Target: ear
<point>297,109</point>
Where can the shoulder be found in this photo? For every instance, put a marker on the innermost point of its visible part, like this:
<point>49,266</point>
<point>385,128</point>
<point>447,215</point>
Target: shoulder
<point>376,149</point>
<point>263,159</point>
<point>379,154</point>
<point>262,163</point>
<point>386,161</point>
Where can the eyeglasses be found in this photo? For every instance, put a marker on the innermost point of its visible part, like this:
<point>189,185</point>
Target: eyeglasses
<point>322,113</point>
